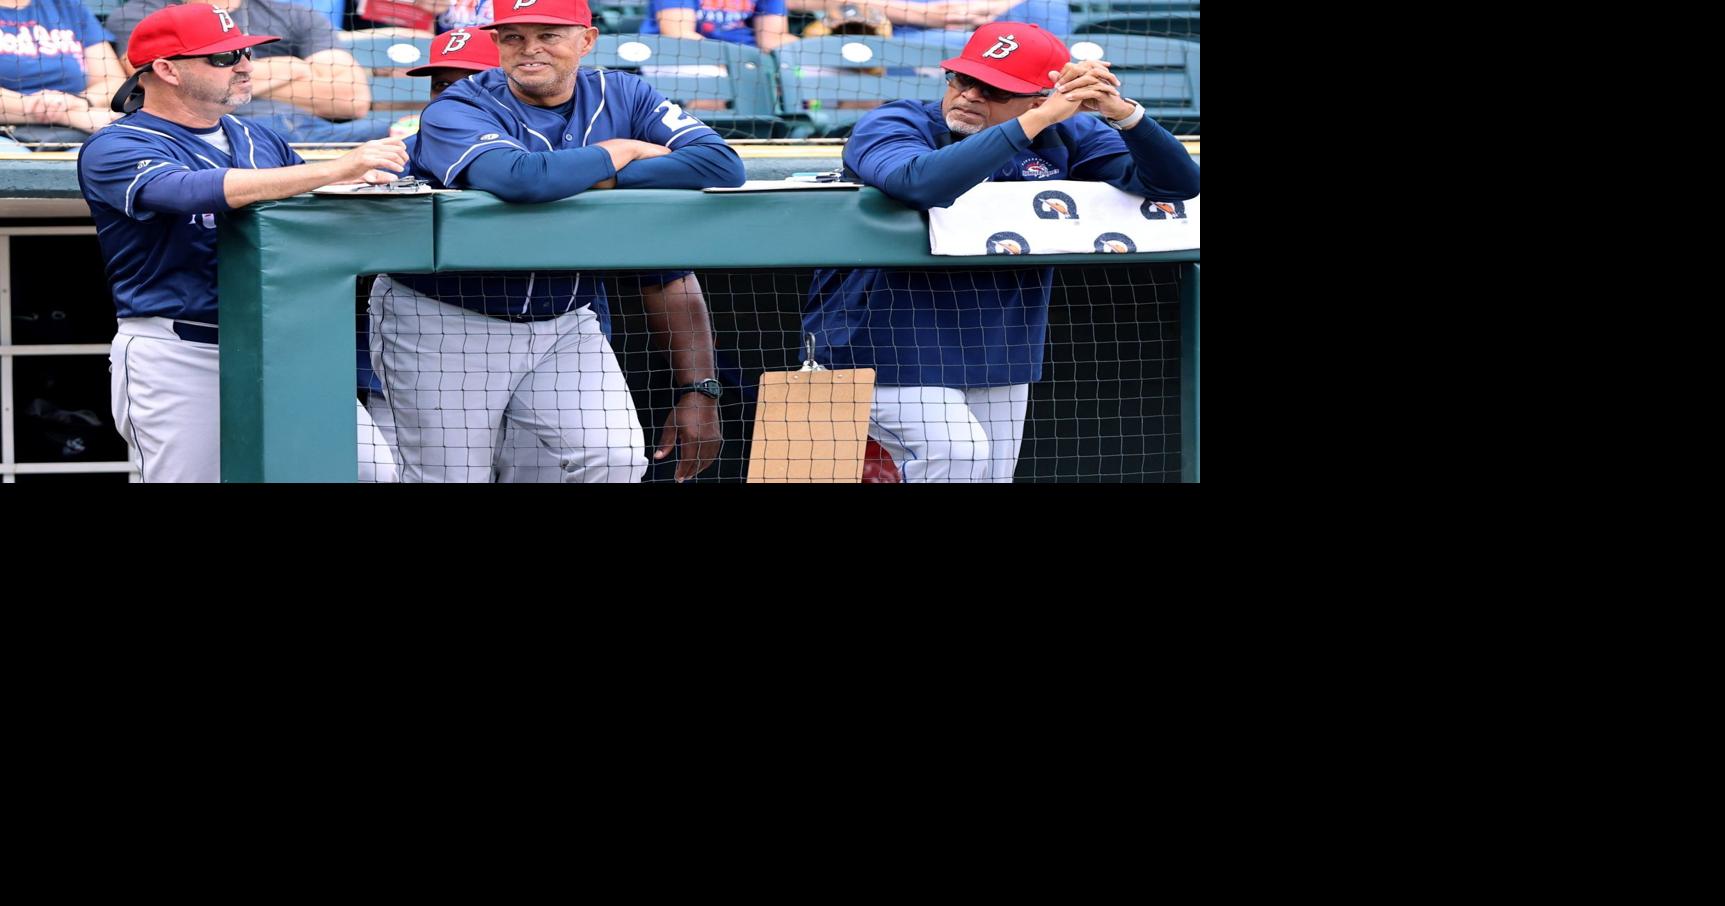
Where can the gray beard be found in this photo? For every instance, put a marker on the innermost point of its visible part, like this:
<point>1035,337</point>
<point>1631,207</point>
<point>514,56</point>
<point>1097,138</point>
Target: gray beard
<point>962,128</point>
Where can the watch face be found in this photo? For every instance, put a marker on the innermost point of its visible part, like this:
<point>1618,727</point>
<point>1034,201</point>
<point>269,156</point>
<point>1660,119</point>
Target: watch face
<point>709,386</point>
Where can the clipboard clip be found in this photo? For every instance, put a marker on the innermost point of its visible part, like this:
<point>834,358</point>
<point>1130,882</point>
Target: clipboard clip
<point>809,364</point>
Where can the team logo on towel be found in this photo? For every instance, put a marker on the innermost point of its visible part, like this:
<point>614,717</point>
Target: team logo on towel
<point>1163,210</point>
<point>1037,168</point>
<point>1115,243</point>
<point>1055,206</point>
<point>1008,244</point>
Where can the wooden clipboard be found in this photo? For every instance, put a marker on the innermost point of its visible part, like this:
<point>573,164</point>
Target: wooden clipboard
<point>811,427</point>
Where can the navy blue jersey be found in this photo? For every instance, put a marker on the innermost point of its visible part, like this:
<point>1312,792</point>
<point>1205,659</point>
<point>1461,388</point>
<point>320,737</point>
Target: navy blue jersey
<point>154,190</point>
<point>479,117</point>
<point>969,327</point>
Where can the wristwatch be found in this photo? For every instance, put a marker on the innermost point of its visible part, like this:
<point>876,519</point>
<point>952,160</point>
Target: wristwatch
<point>710,386</point>
<point>1129,120</point>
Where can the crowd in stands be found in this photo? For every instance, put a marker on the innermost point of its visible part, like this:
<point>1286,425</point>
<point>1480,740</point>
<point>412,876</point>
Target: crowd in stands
<point>62,60</point>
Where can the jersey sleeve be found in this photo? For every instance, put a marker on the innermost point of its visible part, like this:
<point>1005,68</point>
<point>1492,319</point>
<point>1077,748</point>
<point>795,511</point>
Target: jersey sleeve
<point>452,133</point>
<point>117,164</point>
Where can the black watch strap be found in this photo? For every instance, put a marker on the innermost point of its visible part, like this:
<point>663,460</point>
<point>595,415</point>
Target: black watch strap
<point>709,386</point>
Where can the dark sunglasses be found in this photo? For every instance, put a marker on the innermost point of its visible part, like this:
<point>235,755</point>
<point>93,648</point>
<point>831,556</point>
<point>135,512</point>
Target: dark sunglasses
<point>221,60</point>
<point>995,95</point>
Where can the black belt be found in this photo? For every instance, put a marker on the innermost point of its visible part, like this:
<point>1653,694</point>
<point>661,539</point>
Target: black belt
<point>519,318</point>
<point>197,333</point>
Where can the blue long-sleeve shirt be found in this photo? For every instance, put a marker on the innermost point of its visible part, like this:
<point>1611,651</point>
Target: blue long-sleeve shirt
<point>478,135</point>
<point>969,327</point>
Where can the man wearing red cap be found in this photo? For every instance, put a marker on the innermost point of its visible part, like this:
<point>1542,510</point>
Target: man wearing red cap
<point>521,456</point>
<point>955,352</point>
<point>155,181</point>
<point>533,353</point>
<point>305,86</point>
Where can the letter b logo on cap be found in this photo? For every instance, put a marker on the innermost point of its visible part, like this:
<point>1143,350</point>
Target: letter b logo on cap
<point>523,4</point>
<point>1002,48</point>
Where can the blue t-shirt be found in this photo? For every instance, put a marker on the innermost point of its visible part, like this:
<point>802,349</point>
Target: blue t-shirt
<point>154,190</point>
<point>479,116</point>
<point>967,326</point>
<point>464,14</point>
<point>1055,16</point>
<point>42,46</point>
<point>723,20</point>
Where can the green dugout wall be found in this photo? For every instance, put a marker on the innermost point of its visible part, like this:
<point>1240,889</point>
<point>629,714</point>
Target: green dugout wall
<point>287,275</point>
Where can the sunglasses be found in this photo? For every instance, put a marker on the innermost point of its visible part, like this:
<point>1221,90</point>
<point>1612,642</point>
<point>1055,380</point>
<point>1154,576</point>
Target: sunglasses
<point>995,95</point>
<point>221,60</point>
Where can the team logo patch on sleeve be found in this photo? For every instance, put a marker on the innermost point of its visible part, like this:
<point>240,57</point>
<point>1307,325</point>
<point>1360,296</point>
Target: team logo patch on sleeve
<point>1037,168</point>
<point>489,136</point>
<point>1055,206</point>
<point>1115,243</point>
<point>1163,210</point>
<point>1008,244</point>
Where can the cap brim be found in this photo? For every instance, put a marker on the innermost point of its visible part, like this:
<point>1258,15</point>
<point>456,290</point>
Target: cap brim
<point>450,64</point>
<point>131,94</point>
<point>534,19</point>
<point>988,75</point>
<point>234,42</point>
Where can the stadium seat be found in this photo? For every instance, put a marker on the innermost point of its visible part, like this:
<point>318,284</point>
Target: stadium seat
<point>727,86</point>
<point>1160,73</point>
<point>830,82</point>
<point>386,59</point>
<point>1157,18</point>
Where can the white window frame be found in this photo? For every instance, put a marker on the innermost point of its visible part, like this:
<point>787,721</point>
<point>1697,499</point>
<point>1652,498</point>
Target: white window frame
<point>10,468</point>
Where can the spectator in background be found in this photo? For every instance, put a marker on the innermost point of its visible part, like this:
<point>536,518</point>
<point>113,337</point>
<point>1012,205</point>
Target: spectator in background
<point>333,10</point>
<point>58,70</point>
<point>946,22</point>
<point>461,13</point>
<point>757,23</point>
<point>453,14</point>
<point>304,87</point>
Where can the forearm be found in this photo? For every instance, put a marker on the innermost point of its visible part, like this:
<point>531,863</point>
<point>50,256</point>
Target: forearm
<point>678,23</point>
<point>937,178</point>
<point>531,177</point>
<point>100,94</point>
<point>244,187</point>
<point>104,75</point>
<point>1159,167</point>
<point>697,165</point>
<point>677,317</point>
<point>922,15</point>
<point>15,108</point>
<point>772,32</point>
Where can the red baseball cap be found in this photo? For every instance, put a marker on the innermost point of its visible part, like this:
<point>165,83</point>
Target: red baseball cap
<point>540,12</point>
<point>463,48</point>
<point>1012,56</point>
<point>190,30</point>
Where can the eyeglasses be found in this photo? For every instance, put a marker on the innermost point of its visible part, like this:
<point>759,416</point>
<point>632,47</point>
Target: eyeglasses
<point>221,60</point>
<point>994,95</point>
